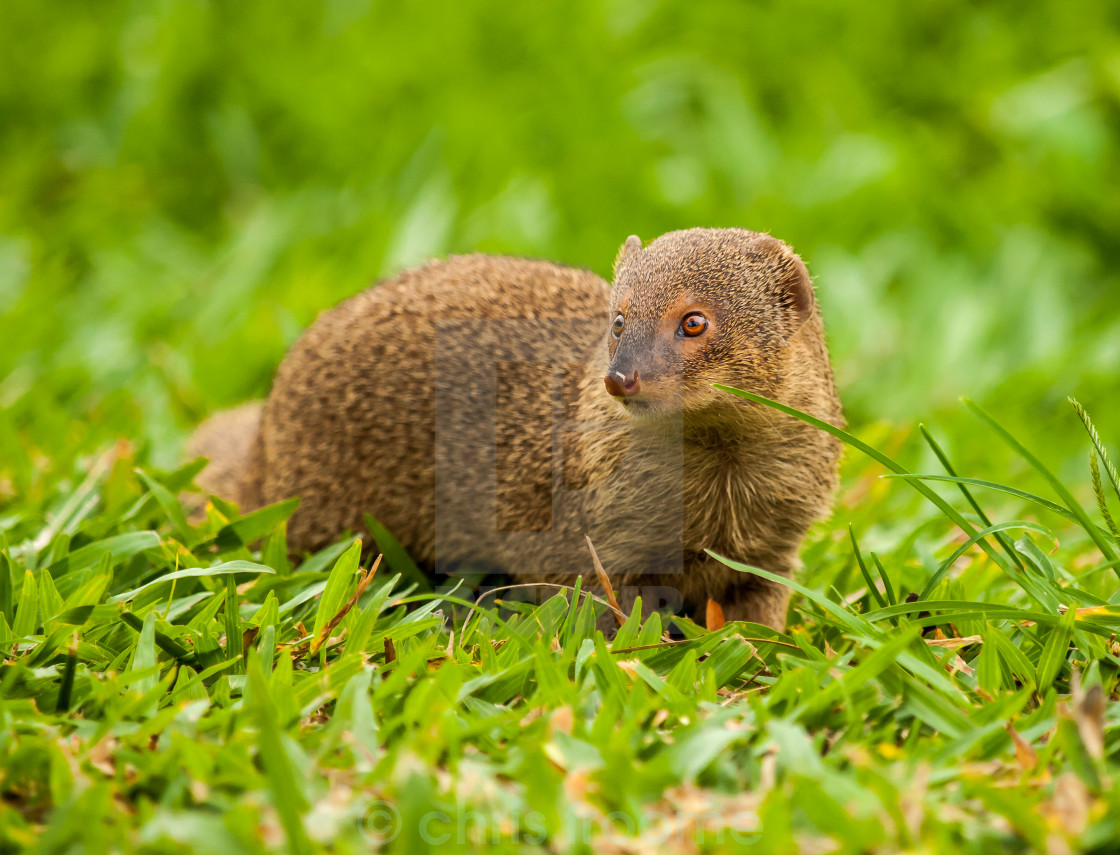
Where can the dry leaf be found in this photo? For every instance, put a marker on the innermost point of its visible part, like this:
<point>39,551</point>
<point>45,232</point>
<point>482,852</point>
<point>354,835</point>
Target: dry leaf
<point>954,643</point>
<point>714,618</point>
<point>561,719</point>
<point>958,664</point>
<point>1107,610</point>
<point>1024,752</point>
<point>531,716</point>
<point>630,666</point>
<point>1070,804</point>
<point>912,804</point>
<point>1088,713</point>
<point>605,581</point>
<point>101,756</point>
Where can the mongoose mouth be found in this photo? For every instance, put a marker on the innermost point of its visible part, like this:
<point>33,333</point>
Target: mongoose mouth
<point>646,406</point>
<point>638,398</point>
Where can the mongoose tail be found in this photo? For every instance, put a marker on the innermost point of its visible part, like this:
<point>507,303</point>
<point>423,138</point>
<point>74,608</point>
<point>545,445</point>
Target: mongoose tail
<point>228,440</point>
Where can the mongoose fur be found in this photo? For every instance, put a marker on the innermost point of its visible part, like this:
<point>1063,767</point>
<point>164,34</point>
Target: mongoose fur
<point>471,407</point>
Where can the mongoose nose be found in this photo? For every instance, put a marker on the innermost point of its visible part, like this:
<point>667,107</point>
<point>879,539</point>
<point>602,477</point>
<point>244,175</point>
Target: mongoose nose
<point>623,385</point>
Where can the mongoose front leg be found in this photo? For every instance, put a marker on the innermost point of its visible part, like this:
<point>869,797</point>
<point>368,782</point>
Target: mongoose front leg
<point>740,595</point>
<point>760,601</point>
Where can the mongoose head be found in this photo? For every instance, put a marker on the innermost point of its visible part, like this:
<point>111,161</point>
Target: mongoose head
<point>699,307</point>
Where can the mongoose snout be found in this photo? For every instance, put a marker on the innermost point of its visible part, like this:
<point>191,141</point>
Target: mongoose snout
<point>492,433</point>
<point>622,385</point>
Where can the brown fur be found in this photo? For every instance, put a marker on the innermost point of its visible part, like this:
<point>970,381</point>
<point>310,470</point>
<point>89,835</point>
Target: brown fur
<point>463,405</point>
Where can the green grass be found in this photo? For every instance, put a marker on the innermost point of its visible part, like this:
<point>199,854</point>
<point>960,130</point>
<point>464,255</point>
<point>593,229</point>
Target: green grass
<point>187,688</point>
<point>186,184</point>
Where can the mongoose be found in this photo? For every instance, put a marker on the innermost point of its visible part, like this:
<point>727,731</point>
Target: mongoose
<point>492,411</point>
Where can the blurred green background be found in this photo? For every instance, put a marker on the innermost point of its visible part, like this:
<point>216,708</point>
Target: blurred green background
<point>185,184</point>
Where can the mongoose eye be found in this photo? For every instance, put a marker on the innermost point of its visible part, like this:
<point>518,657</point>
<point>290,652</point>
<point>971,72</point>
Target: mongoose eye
<point>694,324</point>
<point>616,327</point>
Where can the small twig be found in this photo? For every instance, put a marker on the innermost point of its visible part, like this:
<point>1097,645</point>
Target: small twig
<point>325,632</point>
<point>670,643</point>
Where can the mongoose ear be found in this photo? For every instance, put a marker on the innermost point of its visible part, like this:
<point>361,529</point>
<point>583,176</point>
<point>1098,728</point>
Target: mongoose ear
<point>792,278</point>
<point>632,246</point>
<point>800,287</point>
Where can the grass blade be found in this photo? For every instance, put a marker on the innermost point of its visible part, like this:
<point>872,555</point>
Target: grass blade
<point>1000,488</point>
<point>871,452</point>
<point>396,556</point>
<point>66,686</point>
<point>287,797</point>
<point>252,527</point>
<point>144,655</point>
<point>119,547</point>
<point>27,611</point>
<point>338,587</point>
<point>943,458</point>
<point>169,504</point>
<point>227,568</point>
<point>1102,500</point>
<point>887,586</point>
<point>992,529</point>
<point>1054,652</point>
<point>7,587</point>
<point>1109,469</point>
<point>1064,494</point>
<point>168,645</point>
<point>234,647</point>
<point>854,622</point>
<point>871,586</point>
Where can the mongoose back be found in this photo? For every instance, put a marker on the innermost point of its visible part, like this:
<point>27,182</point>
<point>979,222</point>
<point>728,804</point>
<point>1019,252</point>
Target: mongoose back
<point>492,411</point>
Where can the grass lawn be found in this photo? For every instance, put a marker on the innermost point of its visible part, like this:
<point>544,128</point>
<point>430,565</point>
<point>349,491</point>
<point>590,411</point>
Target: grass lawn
<point>184,185</point>
<point>177,687</point>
